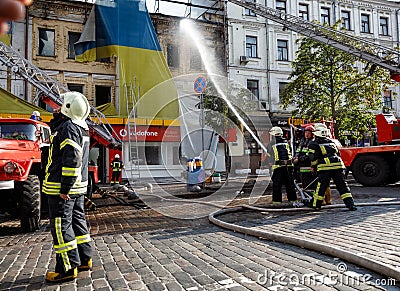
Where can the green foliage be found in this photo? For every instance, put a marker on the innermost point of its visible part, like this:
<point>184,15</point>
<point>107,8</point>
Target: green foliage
<point>326,82</point>
<point>218,114</point>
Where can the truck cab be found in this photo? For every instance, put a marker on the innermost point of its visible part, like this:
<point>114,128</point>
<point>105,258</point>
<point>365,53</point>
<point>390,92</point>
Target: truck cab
<point>24,146</point>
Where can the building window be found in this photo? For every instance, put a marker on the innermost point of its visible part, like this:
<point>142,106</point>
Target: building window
<point>325,16</point>
<point>75,87</point>
<point>282,86</point>
<point>280,5</point>
<point>147,155</point>
<point>345,15</point>
<point>283,54</point>
<point>365,23</point>
<point>251,46</point>
<point>383,26</point>
<point>103,95</point>
<point>250,12</point>
<point>46,42</point>
<point>303,11</point>
<point>173,56</point>
<point>73,37</point>
<point>175,156</point>
<point>387,100</point>
<point>252,86</point>
<point>195,59</point>
<point>152,154</point>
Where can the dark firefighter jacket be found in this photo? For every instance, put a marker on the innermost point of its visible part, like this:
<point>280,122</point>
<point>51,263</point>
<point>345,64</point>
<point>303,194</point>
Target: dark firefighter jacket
<point>67,168</point>
<point>302,155</point>
<point>278,152</point>
<point>325,155</point>
<point>117,165</point>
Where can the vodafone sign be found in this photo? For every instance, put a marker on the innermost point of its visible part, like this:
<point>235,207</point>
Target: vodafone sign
<point>148,133</point>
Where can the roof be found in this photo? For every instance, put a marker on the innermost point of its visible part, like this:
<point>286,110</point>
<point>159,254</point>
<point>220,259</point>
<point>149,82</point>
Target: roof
<point>13,106</point>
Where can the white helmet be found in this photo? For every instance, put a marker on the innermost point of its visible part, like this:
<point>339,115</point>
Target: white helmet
<point>320,125</point>
<point>76,107</point>
<point>36,113</point>
<point>276,131</point>
<point>322,132</point>
<point>116,156</point>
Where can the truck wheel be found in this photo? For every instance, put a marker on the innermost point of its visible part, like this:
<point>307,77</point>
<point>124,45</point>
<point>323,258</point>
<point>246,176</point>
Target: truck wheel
<point>29,203</point>
<point>371,170</point>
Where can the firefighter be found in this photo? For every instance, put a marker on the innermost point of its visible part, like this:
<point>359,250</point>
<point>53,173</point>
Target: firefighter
<point>278,153</point>
<point>36,115</point>
<point>325,158</point>
<point>301,159</point>
<point>65,184</point>
<point>327,199</point>
<point>116,166</point>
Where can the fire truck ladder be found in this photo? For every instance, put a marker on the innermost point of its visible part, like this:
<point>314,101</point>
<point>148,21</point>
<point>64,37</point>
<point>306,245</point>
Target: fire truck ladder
<point>131,91</point>
<point>49,91</point>
<point>369,51</point>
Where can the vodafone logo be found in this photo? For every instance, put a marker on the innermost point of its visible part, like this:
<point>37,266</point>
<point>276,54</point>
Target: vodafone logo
<point>124,132</point>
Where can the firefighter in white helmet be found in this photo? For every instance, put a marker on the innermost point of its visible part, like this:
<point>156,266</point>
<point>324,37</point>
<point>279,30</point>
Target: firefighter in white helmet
<point>36,115</point>
<point>65,184</point>
<point>116,165</point>
<point>279,155</point>
<point>325,158</point>
<point>327,199</point>
<point>303,162</point>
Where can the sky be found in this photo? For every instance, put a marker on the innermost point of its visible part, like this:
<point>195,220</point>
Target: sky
<point>168,8</point>
<point>173,9</point>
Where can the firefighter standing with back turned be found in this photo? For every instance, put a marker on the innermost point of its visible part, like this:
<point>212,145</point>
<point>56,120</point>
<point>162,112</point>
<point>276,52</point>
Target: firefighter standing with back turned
<point>325,157</point>
<point>278,153</point>
<point>301,159</point>
<point>65,184</point>
<point>116,166</point>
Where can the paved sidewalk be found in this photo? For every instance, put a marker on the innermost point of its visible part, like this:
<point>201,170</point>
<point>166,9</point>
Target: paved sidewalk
<point>143,250</point>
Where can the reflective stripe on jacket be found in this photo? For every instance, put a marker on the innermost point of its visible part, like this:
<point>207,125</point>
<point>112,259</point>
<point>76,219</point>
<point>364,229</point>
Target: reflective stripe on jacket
<point>325,155</point>
<point>279,150</point>
<point>67,167</point>
<point>117,165</point>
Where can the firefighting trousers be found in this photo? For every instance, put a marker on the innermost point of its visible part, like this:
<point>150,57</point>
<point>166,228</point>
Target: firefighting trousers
<point>115,177</point>
<point>324,178</point>
<point>70,232</point>
<point>283,176</point>
<point>307,179</point>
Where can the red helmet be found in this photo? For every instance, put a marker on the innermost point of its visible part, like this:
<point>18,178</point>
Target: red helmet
<point>309,128</point>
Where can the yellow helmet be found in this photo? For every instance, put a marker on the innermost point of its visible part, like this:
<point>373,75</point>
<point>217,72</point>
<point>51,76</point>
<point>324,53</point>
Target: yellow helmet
<point>76,107</point>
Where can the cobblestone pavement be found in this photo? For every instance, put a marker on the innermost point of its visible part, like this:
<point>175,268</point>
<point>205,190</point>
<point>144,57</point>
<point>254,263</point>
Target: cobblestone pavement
<point>140,249</point>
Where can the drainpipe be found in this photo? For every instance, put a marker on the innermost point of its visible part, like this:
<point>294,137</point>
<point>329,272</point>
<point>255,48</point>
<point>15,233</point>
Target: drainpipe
<point>335,11</point>
<point>26,49</point>
<point>398,26</point>
<point>269,99</point>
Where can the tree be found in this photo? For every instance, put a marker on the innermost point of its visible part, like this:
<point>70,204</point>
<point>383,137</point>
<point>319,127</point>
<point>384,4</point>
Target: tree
<point>327,82</point>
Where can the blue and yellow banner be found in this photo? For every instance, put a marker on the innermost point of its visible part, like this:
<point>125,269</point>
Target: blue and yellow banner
<point>123,28</point>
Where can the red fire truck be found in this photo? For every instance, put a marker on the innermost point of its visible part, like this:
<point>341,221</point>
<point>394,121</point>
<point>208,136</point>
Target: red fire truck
<point>378,164</point>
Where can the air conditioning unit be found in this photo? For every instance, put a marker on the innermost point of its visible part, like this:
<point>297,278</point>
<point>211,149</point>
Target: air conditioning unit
<point>244,59</point>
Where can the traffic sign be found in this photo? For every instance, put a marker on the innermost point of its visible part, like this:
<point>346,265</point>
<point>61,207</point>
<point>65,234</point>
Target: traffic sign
<point>200,84</point>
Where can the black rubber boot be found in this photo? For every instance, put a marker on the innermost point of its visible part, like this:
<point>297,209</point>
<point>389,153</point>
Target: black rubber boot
<point>349,202</point>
